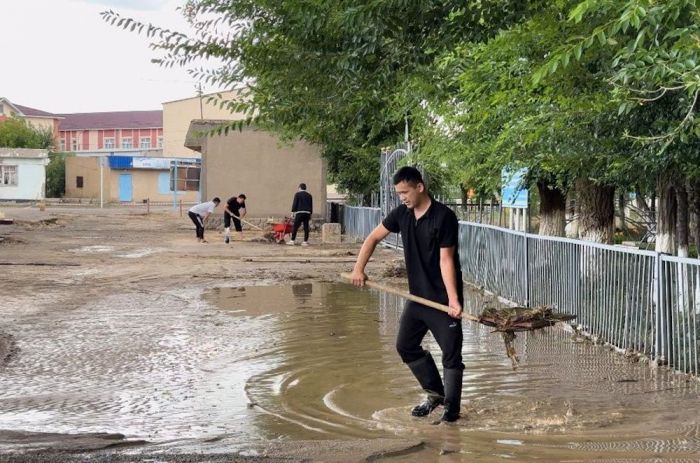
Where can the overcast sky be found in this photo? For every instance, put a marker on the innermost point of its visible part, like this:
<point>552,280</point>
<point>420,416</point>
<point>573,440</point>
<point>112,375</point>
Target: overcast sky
<point>60,56</point>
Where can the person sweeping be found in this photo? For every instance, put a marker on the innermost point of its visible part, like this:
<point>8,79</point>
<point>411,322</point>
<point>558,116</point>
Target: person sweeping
<point>429,231</point>
<point>234,211</point>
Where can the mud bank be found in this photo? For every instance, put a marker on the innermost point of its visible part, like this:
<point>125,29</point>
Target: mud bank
<point>115,448</point>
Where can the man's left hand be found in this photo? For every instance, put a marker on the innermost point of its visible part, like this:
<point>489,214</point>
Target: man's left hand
<point>455,309</point>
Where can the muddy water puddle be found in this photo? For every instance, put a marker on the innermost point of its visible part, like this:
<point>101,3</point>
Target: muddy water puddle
<point>312,361</point>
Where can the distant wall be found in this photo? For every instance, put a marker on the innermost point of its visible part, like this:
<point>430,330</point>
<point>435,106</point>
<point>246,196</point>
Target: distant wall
<point>177,116</point>
<point>256,163</point>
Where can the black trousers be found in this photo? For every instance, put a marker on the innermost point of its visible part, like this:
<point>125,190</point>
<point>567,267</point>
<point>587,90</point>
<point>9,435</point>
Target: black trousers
<point>301,218</point>
<point>197,219</point>
<point>236,222</point>
<point>416,321</point>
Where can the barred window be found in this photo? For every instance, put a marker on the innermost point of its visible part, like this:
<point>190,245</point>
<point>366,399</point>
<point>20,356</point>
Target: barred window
<point>8,175</point>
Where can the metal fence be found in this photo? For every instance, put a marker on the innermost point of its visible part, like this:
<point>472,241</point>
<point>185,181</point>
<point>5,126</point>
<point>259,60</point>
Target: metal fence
<point>495,260</point>
<point>390,161</point>
<point>360,221</point>
<point>636,300</point>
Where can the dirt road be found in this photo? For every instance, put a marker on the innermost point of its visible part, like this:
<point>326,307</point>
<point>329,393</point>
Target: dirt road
<point>61,260</point>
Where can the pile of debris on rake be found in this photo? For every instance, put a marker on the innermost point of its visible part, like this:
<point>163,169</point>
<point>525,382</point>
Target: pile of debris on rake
<point>506,321</point>
<point>511,319</point>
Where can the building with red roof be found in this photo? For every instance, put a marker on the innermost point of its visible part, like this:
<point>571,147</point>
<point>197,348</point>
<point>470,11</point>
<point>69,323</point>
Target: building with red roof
<point>136,133</point>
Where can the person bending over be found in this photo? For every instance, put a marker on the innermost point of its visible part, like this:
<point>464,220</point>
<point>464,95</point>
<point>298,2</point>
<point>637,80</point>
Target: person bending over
<point>199,213</point>
<point>234,210</point>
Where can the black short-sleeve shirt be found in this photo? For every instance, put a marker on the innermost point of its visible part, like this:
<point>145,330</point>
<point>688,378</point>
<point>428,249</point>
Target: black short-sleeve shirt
<point>233,205</point>
<point>422,240</point>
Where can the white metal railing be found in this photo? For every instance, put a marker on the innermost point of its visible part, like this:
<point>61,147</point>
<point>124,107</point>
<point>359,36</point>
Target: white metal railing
<point>636,300</point>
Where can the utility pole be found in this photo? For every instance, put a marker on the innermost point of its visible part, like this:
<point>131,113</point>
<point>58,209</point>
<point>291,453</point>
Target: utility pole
<point>199,93</point>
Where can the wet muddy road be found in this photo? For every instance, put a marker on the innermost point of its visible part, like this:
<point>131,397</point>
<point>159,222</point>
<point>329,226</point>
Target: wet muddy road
<point>183,349</point>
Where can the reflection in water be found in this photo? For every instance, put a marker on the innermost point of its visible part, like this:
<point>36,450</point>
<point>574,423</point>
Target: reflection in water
<point>317,361</point>
<point>302,291</point>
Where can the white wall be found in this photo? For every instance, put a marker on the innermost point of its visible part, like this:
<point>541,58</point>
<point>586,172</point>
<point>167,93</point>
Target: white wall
<point>31,179</point>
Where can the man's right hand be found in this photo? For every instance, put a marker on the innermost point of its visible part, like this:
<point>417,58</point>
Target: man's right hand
<point>358,278</point>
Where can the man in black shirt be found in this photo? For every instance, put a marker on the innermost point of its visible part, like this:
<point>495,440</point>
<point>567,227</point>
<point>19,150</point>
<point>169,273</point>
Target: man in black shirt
<point>430,233</point>
<point>302,207</point>
<point>234,210</point>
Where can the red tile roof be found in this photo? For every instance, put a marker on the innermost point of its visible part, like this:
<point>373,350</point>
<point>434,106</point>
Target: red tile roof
<point>112,120</point>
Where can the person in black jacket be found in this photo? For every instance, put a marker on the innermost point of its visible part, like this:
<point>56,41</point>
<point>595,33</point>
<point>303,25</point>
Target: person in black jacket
<point>430,233</point>
<point>302,207</point>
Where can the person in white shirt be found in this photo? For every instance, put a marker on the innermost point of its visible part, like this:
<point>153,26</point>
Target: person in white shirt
<point>199,213</point>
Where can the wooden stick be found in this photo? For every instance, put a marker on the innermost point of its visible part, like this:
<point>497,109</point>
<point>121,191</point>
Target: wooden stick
<point>44,264</point>
<point>411,297</point>
<point>246,222</point>
<point>298,259</point>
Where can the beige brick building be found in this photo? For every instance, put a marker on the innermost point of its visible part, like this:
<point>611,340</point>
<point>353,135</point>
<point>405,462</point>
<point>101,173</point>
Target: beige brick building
<point>178,114</point>
<point>257,163</point>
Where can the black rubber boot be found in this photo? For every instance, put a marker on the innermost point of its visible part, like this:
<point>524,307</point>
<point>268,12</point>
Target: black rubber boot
<point>427,374</point>
<point>453,394</point>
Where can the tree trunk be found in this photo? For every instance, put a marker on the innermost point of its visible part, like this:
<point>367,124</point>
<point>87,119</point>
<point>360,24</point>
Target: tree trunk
<point>641,203</point>
<point>666,216</point>
<point>596,211</point>
<point>620,223</point>
<point>665,233</point>
<point>552,209</point>
<point>682,227</point>
<point>694,200</point>
<point>571,214</point>
<point>464,193</point>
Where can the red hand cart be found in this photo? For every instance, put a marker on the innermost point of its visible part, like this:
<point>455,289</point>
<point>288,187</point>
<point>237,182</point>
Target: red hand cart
<point>282,229</point>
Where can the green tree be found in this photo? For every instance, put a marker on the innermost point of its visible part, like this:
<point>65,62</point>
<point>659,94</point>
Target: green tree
<point>330,71</point>
<point>17,133</point>
<point>56,175</point>
<point>656,60</point>
<point>564,129</point>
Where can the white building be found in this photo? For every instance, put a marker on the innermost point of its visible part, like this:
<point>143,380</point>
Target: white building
<point>23,173</point>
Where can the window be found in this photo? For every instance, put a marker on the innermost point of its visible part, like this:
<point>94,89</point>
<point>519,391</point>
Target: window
<point>63,145</point>
<point>74,144</point>
<point>145,143</point>
<point>160,142</point>
<point>8,175</point>
<point>109,143</point>
<point>2,109</point>
<point>187,178</point>
<point>79,182</point>
<point>126,143</point>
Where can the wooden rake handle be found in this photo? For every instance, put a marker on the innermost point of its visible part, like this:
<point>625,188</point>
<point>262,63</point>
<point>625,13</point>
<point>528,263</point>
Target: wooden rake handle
<point>246,222</point>
<point>410,297</point>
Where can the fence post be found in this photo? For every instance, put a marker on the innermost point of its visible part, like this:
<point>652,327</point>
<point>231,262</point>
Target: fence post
<point>658,328</point>
<point>527,271</point>
<point>180,208</point>
<point>148,205</point>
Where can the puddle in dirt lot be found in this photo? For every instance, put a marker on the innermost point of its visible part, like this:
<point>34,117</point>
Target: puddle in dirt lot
<point>317,361</point>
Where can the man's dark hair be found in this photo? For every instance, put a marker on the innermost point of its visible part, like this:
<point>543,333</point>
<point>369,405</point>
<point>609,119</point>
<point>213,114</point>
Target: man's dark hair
<point>302,186</point>
<point>216,200</point>
<point>408,174</point>
<point>242,196</point>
